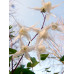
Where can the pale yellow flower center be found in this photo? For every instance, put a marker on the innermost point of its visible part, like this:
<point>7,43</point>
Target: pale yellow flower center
<point>22,31</point>
<point>54,27</point>
<point>24,48</point>
<point>46,7</point>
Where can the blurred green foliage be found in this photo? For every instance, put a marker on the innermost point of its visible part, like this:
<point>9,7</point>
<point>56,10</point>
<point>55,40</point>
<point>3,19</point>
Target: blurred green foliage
<point>22,70</point>
<point>32,63</point>
<point>12,51</point>
<point>62,58</point>
<point>43,56</point>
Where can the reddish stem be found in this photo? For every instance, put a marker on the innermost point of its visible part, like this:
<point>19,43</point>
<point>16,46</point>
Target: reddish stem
<point>12,64</point>
<point>19,62</point>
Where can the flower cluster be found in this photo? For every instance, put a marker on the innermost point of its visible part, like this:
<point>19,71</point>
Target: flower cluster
<point>44,40</point>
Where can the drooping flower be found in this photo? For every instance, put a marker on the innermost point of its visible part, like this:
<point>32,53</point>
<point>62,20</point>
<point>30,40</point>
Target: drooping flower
<point>46,7</point>
<point>23,31</point>
<point>40,49</point>
<point>57,26</point>
<point>24,50</point>
<point>43,34</point>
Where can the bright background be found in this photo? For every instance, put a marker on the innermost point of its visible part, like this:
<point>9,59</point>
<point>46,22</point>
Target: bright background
<point>29,17</point>
<point>69,37</point>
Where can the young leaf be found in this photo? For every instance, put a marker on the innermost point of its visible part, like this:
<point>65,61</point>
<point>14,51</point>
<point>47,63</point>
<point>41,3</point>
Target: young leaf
<point>48,71</point>
<point>62,58</point>
<point>12,51</point>
<point>34,62</point>
<point>47,68</point>
<point>10,27</point>
<point>29,64</point>
<point>22,66</point>
<point>43,56</point>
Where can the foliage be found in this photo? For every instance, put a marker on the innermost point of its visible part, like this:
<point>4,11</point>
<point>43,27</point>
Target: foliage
<point>43,56</point>
<point>62,58</point>
<point>34,62</point>
<point>42,35</point>
<point>22,70</point>
<point>10,27</point>
<point>10,33</point>
<point>12,51</point>
<point>46,69</point>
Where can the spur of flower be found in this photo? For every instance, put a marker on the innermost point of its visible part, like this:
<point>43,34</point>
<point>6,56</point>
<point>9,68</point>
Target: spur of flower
<point>46,8</point>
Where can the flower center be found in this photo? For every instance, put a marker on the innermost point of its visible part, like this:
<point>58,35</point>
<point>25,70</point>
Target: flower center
<point>22,31</point>
<point>43,10</point>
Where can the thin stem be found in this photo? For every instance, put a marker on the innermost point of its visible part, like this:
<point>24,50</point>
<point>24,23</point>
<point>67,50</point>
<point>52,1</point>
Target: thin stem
<point>43,21</point>
<point>12,64</point>
<point>31,40</point>
<point>19,62</point>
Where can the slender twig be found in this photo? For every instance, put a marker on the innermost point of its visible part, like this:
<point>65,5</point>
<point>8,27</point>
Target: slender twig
<point>19,62</point>
<point>32,40</point>
<point>12,64</point>
<point>43,21</point>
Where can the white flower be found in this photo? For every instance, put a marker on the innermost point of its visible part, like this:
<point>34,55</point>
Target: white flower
<point>43,34</point>
<point>23,32</point>
<point>47,7</point>
<point>40,49</point>
<point>57,26</point>
<point>24,50</point>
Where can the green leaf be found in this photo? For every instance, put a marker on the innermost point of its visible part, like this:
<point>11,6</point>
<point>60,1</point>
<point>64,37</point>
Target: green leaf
<point>22,66</point>
<point>12,31</point>
<point>29,64</point>
<point>20,70</point>
<point>12,51</point>
<point>34,62</point>
<point>55,73</point>
<point>47,68</point>
<point>10,27</point>
<point>11,36</point>
<point>48,71</point>
<point>62,58</point>
<point>43,56</point>
<point>10,58</point>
